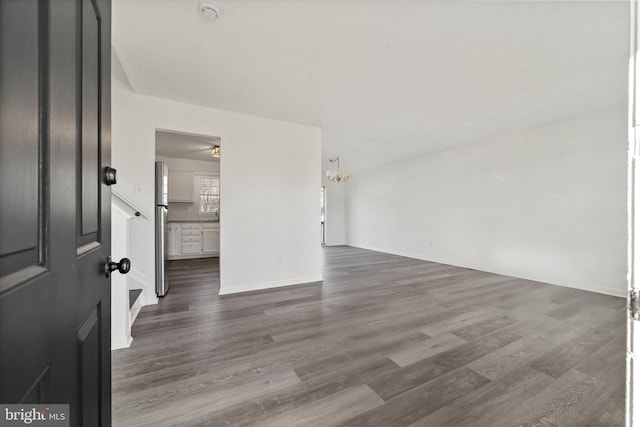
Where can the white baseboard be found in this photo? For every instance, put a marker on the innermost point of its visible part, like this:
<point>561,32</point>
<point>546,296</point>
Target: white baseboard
<point>135,310</point>
<point>118,343</point>
<point>208,255</point>
<point>149,298</point>
<point>598,289</point>
<point>269,285</point>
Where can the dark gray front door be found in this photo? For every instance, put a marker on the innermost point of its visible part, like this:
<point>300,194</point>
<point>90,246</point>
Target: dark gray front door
<point>54,207</point>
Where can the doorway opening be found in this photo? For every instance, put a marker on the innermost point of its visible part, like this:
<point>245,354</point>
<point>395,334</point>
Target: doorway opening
<point>188,240</point>
<point>323,213</point>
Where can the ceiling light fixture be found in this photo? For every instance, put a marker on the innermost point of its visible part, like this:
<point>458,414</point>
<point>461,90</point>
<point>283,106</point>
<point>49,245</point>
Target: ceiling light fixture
<point>215,151</point>
<point>336,175</point>
<point>209,9</point>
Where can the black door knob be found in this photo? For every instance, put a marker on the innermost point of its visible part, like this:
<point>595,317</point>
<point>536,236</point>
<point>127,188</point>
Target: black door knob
<point>123,266</point>
<point>109,176</point>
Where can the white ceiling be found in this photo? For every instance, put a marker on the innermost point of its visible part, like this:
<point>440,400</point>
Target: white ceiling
<point>185,146</point>
<point>385,79</point>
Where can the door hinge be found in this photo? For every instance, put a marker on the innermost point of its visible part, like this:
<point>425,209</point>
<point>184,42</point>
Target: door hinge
<point>634,304</point>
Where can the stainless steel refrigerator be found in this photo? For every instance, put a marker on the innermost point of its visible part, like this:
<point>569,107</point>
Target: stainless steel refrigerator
<point>162,209</point>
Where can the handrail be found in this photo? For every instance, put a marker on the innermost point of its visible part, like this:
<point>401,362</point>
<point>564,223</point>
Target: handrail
<point>135,208</point>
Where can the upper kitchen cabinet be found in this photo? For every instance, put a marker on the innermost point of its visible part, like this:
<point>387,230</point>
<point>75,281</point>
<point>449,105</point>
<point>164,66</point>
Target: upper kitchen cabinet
<point>180,186</point>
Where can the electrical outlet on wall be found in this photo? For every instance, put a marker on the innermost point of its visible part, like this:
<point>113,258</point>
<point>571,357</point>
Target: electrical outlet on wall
<point>280,259</point>
<point>139,189</point>
<point>189,209</point>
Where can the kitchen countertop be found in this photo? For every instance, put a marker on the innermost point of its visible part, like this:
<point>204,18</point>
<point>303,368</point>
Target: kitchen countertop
<point>194,220</point>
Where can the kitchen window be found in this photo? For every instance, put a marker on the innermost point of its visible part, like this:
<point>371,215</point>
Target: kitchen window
<point>209,195</point>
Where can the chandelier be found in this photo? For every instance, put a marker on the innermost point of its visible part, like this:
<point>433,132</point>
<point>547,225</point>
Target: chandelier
<point>215,151</point>
<point>336,175</point>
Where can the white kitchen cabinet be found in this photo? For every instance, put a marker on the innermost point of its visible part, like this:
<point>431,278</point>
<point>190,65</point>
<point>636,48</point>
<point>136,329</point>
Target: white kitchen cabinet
<point>193,240</point>
<point>210,238</point>
<point>191,248</point>
<point>180,186</point>
<point>173,239</point>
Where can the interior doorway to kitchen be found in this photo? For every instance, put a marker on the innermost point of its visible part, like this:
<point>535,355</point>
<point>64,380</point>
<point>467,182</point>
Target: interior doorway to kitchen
<point>190,249</point>
<point>323,214</point>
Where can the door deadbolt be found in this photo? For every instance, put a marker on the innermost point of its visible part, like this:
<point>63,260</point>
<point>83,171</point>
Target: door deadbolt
<point>110,175</point>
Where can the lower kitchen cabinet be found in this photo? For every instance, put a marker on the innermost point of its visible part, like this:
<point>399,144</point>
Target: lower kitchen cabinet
<point>193,240</point>
<point>192,248</point>
<point>173,239</point>
<point>210,238</point>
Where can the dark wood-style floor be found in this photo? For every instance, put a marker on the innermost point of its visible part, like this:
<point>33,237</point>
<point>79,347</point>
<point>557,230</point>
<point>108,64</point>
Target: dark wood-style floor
<point>385,341</point>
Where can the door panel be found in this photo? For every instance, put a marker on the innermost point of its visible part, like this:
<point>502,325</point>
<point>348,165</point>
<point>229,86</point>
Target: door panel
<point>54,144</point>
<point>24,330</point>
<point>39,390</point>
<point>24,278</point>
<point>89,143</point>
<point>90,349</point>
<point>23,137</point>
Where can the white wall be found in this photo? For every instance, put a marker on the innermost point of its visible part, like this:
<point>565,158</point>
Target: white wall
<point>190,165</point>
<point>269,186</point>
<point>120,325</point>
<point>547,203</point>
<point>189,211</point>
<point>335,225</point>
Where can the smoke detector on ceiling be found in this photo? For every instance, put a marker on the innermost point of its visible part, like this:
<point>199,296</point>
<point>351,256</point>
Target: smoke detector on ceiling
<point>209,9</point>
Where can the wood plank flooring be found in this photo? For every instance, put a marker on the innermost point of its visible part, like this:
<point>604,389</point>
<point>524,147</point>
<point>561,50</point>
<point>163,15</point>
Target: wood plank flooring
<point>385,341</point>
